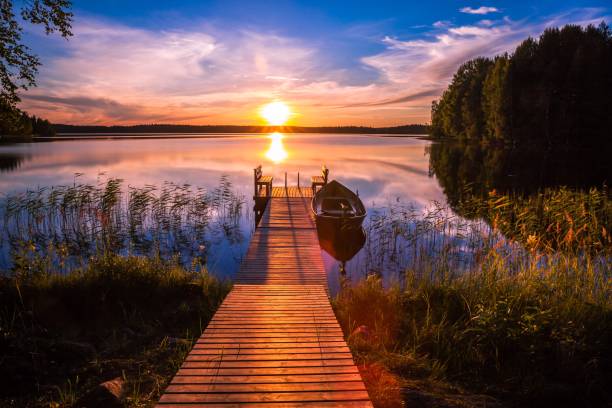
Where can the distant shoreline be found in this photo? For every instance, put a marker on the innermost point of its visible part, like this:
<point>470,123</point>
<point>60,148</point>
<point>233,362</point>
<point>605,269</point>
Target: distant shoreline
<point>145,136</point>
<point>63,130</point>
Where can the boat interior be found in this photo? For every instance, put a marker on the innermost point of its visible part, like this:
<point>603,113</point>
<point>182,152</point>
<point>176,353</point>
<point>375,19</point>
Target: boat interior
<point>337,207</point>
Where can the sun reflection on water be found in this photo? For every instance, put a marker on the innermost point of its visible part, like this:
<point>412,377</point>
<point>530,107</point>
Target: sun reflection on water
<point>276,152</point>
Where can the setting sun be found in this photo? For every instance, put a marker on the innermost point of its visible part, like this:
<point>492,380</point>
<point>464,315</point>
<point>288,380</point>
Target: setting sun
<point>275,113</point>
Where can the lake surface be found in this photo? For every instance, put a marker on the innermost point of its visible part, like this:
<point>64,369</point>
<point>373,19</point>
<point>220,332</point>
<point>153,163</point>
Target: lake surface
<point>383,169</point>
<point>380,168</point>
<point>410,186</point>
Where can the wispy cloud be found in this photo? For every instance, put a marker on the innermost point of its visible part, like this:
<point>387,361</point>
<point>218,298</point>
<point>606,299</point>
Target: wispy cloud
<point>402,99</point>
<point>480,10</point>
<point>112,73</point>
<point>441,24</point>
<point>422,68</point>
<point>486,23</point>
<point>112,68</point>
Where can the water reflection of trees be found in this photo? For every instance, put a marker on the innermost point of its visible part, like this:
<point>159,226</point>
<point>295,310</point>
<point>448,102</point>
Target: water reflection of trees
<point>473,170</point>
<point>10,161</point>
<point>544,199</point>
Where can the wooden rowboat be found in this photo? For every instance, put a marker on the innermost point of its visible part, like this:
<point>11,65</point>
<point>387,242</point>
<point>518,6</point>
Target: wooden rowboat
<point>336,208</point>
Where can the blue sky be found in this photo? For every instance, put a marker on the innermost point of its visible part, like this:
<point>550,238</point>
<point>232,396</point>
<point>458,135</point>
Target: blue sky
<point>334,62</point>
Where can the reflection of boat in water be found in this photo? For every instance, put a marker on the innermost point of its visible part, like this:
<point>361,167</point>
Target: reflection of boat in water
<point>336,207</point>
<point>339,214</point>
<point>343,244</point>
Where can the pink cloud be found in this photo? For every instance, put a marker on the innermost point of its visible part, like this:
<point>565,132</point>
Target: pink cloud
<point>112,73</point>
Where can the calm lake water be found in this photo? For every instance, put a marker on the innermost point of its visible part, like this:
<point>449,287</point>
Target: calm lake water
<point>382,169</point>
<point>409,185</point>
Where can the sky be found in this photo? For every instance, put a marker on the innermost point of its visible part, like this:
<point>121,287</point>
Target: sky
<point>376,63</point>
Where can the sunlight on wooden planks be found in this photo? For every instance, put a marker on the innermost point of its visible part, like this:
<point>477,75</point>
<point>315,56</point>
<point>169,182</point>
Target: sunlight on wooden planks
<point>275,341</point>
<point>284,248</point>
<point>292,192</point>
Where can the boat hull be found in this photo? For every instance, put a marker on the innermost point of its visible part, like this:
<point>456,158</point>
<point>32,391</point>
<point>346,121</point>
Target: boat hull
<point>350,216</point>
<point>341,243</point>
<point>332,226</point>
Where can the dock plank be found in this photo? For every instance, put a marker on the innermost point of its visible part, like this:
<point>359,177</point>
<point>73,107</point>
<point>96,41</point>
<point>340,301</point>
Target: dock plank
<point>274,341</point>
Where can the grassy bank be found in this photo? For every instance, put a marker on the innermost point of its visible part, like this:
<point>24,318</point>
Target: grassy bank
<point>538,337</point>
<point>481,320</point>
<point>129,317</point>
<point>104,282</point>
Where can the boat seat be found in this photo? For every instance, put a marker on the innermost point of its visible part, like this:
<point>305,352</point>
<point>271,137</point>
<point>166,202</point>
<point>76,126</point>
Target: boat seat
<point>339,213</point>
<point>337,207</point>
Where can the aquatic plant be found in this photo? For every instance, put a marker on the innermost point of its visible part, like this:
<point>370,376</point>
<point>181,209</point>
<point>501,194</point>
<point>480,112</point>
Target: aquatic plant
<point>432,240</point>
<point>56,229</point>
<point>483,304</point>
<point>438,243</point>
<point>553,219</point>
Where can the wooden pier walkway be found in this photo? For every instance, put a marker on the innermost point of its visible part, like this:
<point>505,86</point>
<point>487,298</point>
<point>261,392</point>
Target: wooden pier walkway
<point>275,341</point>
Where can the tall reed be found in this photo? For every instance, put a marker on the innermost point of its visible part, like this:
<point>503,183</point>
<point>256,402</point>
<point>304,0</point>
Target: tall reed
<point>58,228</point>
<point>480,303</point>
<point>553,219</point>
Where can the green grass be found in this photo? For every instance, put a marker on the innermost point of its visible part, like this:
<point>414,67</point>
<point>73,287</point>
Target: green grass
<point>543,334</point>
<point>130,317</point>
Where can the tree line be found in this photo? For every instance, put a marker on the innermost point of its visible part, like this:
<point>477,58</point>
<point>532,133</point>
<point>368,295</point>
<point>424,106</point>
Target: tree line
<point>553,91</point>
<point>414,129</point>
<point>15,122</point>
<point>19,66</point>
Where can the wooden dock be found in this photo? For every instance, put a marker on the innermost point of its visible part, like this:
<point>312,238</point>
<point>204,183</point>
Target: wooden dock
<point>275,341</point>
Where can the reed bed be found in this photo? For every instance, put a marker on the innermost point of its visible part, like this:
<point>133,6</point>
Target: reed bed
<point>57,229</point>
<point>439,242</point>
<point>104,281</point>
<point>514,302</point>
<point>560,219</point>
<point>432,242</point>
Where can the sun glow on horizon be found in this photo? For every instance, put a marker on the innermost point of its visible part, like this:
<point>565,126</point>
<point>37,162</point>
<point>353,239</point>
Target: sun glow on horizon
<point>275,113</point>
<point>276,152</point>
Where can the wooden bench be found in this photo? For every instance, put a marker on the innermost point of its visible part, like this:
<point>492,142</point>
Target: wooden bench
<point>319,181</point>
<point>262,181</point>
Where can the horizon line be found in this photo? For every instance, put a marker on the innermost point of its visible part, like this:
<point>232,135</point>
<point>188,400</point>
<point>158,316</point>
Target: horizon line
<point>242,126</point>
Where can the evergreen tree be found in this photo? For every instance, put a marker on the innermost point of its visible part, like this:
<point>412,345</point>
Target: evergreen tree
<point>497,102</point>
<point>553,91</point>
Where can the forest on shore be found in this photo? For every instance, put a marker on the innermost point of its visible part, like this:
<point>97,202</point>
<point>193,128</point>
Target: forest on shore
<point>416,129</point>
<point>19,125</point>
<point>552,91</point>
